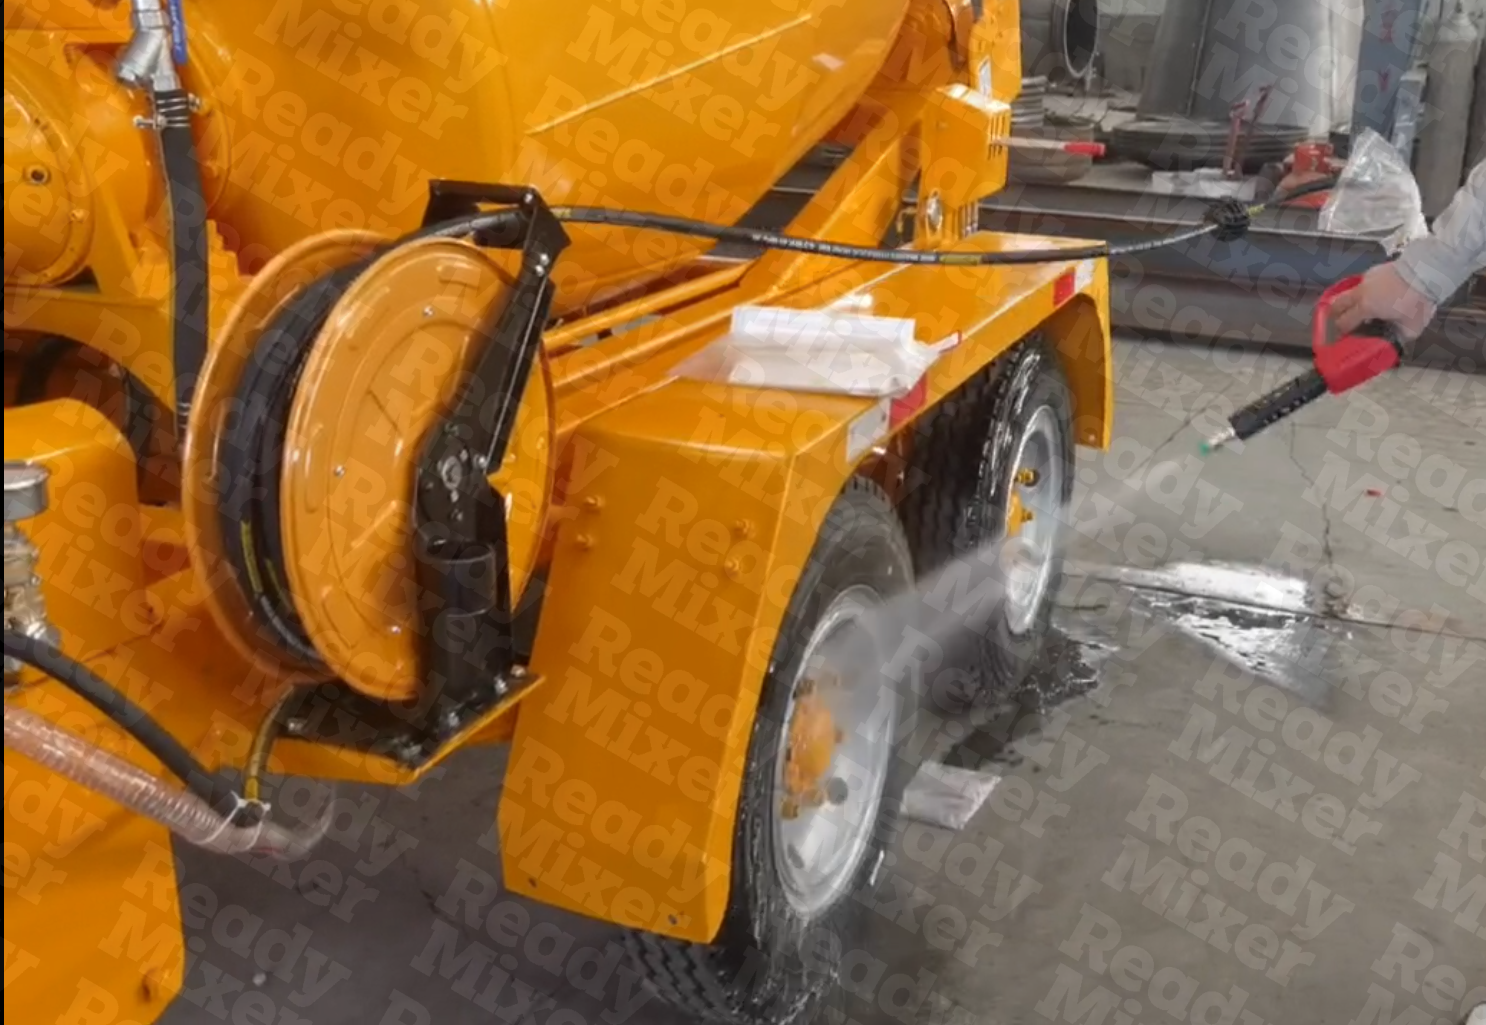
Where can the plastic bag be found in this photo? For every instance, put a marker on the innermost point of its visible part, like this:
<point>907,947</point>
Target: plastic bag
<point>1375,193</point>
<point>830,351</point>
<point>946,795</point>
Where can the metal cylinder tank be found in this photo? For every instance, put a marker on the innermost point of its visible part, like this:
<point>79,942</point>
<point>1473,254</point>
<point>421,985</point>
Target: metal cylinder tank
<point>1173,67</point>
<point>1476,152</point>
<point>324,114</point>
<point>1440,162</point>
<point>1059,38</point>
<point>1210,54</point>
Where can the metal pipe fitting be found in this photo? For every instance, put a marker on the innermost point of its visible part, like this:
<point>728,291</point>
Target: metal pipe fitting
<point>25,608</point>
<point>147,62</point>
<point>185,814</point>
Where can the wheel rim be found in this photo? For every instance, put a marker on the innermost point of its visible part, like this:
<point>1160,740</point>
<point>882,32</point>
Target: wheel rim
<point>821,838</point>
<point>1034,520</point>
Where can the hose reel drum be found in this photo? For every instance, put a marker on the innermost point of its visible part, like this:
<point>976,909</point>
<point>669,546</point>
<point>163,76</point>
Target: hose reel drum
<point>346,361</point>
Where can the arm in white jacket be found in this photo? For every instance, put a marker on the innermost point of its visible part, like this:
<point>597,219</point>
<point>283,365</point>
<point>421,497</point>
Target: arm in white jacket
<point>1438,264</point>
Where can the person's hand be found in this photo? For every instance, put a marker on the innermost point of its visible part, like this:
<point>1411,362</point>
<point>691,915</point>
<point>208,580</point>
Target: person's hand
<point>1383,295</point>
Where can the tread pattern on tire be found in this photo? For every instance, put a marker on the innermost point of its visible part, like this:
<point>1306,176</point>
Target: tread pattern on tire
<point>949,447</point>
<point>683,975</point>
<point>713,982</point>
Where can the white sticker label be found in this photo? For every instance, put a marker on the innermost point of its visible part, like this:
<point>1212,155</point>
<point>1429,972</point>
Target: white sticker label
<point>863,432</point>
<point>985,77</point>
<point>1083,275</point>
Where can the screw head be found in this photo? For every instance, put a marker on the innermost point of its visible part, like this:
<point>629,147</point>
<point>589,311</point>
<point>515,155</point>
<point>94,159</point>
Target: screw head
<point>934,212</point>
<point>451,472</point>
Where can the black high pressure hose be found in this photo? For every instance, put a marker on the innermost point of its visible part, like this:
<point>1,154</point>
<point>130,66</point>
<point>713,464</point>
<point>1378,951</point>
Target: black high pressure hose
<point>211,787</point>
<point>188,242</point>
<point>1228,219</point>
<point>139,413</point>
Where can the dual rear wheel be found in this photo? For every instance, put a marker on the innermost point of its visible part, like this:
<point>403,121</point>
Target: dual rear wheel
<point>826,772</point>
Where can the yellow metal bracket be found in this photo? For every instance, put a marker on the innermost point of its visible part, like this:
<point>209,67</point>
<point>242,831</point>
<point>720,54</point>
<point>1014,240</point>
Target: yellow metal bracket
<point>960,165</point>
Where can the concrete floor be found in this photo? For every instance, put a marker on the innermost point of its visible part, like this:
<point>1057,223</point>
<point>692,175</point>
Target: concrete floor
<point>1328,865</point>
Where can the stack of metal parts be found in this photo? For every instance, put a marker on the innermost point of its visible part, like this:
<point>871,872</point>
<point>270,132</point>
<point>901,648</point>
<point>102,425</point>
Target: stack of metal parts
<point>1060,40</point>
<point>1030,119</point>
<point>1210,57</point>
<point>1029,112</point>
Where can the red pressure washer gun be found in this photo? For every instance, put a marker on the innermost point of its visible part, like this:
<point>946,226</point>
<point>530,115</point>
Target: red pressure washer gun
<point>1375,347</point>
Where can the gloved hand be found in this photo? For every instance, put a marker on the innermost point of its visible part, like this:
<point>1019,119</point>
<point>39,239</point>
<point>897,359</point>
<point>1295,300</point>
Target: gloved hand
<point>1383,295</point>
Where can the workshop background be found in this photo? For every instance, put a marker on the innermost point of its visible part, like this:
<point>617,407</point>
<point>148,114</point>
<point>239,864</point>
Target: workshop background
<point>1245,781</point>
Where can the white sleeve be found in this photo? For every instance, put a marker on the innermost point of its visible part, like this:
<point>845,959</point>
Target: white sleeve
<point>1439,263</point>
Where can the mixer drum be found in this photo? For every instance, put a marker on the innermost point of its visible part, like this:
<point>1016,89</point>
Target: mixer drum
<point>333,119</point>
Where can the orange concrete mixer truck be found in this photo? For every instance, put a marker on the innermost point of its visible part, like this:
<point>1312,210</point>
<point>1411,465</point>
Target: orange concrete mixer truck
<point>376,386</point>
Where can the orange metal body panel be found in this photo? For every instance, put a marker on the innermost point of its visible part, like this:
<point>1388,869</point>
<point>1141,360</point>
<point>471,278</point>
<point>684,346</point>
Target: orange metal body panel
<point>72,856</point>
<point>90,537</point>
<point>92,919</point>
<point>694,509</point>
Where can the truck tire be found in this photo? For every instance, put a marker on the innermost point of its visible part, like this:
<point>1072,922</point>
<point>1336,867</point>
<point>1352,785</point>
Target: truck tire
<point>776,953</point>
<point>1012,417</point>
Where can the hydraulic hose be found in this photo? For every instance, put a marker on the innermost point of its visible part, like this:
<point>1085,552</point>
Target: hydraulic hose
<point>209,787</point>
<point>182,811</point>
<point>188,245</point>
<point>139,413</point>
<point>149,62</point>
<point>1228,219</point>
<point>263,740</point>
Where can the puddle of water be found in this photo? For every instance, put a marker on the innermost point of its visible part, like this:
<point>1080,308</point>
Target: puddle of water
<point>1235,583</point>
<point>1278,648</point>
<point>1267,623</point>
<point>1068,670</point>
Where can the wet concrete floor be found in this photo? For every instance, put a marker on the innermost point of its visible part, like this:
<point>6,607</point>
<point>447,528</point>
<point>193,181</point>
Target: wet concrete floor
<point>1248,786</point>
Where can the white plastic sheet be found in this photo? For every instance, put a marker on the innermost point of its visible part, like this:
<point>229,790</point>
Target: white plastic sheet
<point>1375,193</point>
<point>830,351</point>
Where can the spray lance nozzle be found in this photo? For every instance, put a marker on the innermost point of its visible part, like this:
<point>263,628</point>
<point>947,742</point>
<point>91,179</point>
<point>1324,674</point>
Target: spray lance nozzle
<point>1340,365</point>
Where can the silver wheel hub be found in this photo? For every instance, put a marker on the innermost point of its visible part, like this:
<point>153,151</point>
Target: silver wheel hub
<point>1033,518</point>
<point>832,764</point>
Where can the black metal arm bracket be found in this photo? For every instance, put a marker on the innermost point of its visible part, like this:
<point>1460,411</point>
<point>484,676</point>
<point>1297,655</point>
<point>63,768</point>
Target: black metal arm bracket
<point>460,545</point>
